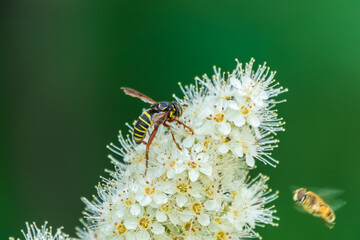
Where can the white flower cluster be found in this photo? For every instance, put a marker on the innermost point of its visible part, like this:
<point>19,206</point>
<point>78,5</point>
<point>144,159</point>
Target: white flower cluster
<point>202,191</point>
<point>43,233</point>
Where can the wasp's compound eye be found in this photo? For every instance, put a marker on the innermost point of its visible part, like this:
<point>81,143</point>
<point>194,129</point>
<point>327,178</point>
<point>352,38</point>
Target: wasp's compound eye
<point>301,195</point>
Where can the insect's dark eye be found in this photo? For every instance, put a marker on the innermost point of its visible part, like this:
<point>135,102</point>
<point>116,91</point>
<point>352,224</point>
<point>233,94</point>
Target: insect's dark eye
<point>303,198</point>
<point>300,195</point>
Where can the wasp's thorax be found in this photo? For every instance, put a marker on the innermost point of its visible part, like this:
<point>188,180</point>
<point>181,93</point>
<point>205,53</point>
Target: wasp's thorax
<point>174,108</point>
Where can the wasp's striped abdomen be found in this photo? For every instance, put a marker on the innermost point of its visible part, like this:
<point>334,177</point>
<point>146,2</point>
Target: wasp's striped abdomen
<point>142,125</point>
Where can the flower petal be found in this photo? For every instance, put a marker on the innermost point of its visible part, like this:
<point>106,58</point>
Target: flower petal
<point>232,105</point>
<point>193,175</point>
<point>224,128</point>
<point>131,235</point>
<point>157,228</point>
<point>223,148</point>
<point>171,173</point>
<point>257,133</point>
<point>160,216</point>
<point>142,235</point>
<point>157,172</point>
<point>238,150</point>
<point>146,200</point>
<point>239,226</point>
<point>203,157</point>
<point>250,160</point>
<point>179,167</point>
<point>185,215</point>
<point>206,169</point>
<point>181,200</point>
<point>205,128</point>
<point>211,205</point>
<point>197,148</point>
<point>135,209</point>
<point>264,95</point>
<point>160,198</point>
<point>130,223</point>
<point>230,217</point>
<point>196,190</point>
<point>239,120</point>
<point>188,141</point>
<point>235,82</point>
<point>204,219</point>
<point>167,187</point>
<point>121,211</point>
<point>254,121</point>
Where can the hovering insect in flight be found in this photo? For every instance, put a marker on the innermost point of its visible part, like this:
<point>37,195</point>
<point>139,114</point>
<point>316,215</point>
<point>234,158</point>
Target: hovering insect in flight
<point>315,205</point>
<point>157,115</point>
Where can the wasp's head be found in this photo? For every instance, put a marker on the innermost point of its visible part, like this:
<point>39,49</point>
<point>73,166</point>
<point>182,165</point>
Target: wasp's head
<point>175,110</point>
<point>299,195</point>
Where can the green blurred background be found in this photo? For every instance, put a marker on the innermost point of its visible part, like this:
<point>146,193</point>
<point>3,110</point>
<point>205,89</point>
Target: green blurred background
<point>64,61</point>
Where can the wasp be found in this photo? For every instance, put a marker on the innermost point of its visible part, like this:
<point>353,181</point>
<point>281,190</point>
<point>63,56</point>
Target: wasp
<point>159,114</point>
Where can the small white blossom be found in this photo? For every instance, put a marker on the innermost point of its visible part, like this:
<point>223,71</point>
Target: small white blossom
<point>202,191</point>
<point>246,210</point>
<point>43,233</point>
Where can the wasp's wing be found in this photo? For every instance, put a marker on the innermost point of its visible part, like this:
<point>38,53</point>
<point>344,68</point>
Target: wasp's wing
<point>336,204</point>
<point>328,193</point>
<point>331,197</point>
<point>300,209</point>
<point>134,93</point>
<point>159,118</point>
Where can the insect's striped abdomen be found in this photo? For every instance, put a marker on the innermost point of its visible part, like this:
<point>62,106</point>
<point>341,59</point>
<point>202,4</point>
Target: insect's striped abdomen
<point>142,125</point>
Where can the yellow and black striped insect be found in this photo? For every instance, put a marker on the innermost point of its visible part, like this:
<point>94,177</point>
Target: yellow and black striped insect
<point>158,114</point>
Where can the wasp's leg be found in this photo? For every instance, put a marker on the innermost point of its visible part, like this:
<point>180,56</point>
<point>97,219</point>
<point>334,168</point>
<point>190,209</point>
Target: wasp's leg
<point>185,126</point>
<point>144,142</point>
<point>151,138</point>
<point>172,134</point>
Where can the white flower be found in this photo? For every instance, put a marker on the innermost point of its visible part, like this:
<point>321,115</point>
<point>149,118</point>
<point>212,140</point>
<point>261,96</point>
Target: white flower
<point>141,227</point>
<point>244,143</point>
<point>217,117</point>
<point>126,204</point>
<point>245,114</point>
<point>184,189</point>
<point>252,86</point>
<point>247,208</point>
<point>43,233</point>
<point>147,192</point>
<point>200,192</point>
<point>222,229</point>
<point>196,164</point>
<point>166,212</point>
<point>214,194</point>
